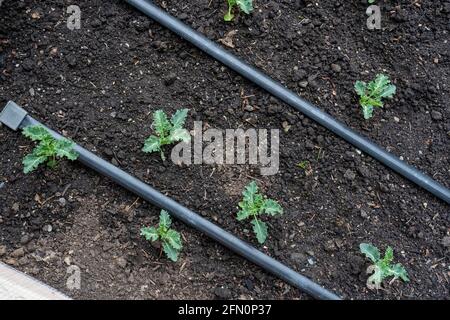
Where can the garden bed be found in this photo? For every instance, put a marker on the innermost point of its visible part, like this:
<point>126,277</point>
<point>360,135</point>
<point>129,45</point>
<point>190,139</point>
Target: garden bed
<point>100,84</point>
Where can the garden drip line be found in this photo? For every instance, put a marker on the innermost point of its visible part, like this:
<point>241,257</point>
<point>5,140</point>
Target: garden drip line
<point>16,118</point>
<point>290,97</point>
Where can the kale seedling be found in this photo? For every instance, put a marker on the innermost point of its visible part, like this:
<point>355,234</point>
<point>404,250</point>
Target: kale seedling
<point>372,93</point>
<point>245,5</point>
<point>167,132</point>
<point>171,240</point>
<point>382,268</point>
<point>253,205</point>
<point>48,149</point>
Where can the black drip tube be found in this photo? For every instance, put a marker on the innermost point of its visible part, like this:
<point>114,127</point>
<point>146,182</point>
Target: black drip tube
<point>16,118</point>
<point>290,97</point>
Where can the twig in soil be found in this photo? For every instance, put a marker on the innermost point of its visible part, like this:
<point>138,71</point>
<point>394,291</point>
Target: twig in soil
<point>117,159</point>
<point>65,189</point>
<point>145,253</point>
<point>251,177</point>
<point>318,154</point>
<point>128,208</point>
<point>75,133</point>
<point>379,199</point>
<point>47,200</point>
<point>182,266</point>
<point>104,205</point>
<point>184,238</point>
<point>445,277</point>
<point>156,268</point>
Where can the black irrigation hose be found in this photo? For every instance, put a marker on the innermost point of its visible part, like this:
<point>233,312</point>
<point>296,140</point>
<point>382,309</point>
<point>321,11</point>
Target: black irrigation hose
<point>290,97</point>
<point>16,118</point>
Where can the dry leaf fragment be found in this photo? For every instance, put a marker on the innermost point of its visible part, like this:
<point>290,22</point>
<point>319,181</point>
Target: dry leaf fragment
<point>228,39</point>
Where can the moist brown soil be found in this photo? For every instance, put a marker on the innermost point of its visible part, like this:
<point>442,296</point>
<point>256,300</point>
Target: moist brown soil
<point>100,84</point>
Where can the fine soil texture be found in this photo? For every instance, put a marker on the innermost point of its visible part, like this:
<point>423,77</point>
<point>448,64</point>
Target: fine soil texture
<point>100,84</point>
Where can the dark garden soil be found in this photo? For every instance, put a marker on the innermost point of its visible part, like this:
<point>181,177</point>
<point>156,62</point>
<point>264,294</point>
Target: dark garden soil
<point>100,84</point>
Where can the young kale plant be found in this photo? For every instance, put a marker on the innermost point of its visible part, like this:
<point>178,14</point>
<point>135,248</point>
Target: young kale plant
<point>382,268</point>
<point>170,239</point>
<point>372,93</point>
<point>48,149</point>
<point>244,5</point>
<point>167,132</point>
<point>253,206</point>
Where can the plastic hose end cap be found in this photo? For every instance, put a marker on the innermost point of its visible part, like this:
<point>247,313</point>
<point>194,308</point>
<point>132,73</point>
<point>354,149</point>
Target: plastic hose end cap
<point>12,115</point>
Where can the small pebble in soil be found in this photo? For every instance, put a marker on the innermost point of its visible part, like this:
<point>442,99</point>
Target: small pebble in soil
<point>62,202</point>
<point>286,126</point>
<point>298,258</point>
<point>222,292</point>
<point>68,260</point>
<point>303,84</point>
<point>47,228</point>
<point>170,79</point>
<point>12,262</point>
<point>436,115</point>
<point>249,108</point>
<point>121,262</point>
<point>25,239</point>
<point>329,246</point>
<point>15,207</point>
<point>336,68</point>
<point>364,214</point>
<point>18,253</point>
